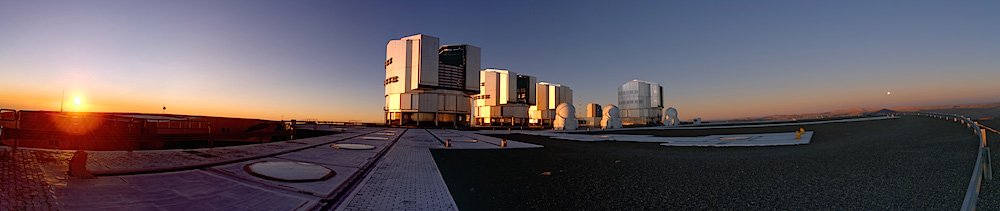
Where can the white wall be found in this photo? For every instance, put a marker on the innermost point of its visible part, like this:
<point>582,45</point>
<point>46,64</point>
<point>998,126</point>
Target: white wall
<point>425,60</point>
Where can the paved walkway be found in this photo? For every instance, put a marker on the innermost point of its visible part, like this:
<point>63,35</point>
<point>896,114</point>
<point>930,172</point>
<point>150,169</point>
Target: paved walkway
<point>405,179</point>
<point>27,178</point>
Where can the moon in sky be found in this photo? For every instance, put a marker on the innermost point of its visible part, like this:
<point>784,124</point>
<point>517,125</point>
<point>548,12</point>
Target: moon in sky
<point>888,93</point>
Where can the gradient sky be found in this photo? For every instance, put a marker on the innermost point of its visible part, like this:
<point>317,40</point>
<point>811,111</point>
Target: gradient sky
<point>324,59</point>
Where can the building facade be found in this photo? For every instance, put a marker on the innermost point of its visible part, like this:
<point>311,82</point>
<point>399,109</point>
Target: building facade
<point>427,84</point>
<point>504,98</point>
<point>593,116</point>
<point>640,102</point>
<point>547,97</point>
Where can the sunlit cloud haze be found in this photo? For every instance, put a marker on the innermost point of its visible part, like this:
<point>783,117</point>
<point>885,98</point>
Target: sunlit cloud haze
<point>323,59</point>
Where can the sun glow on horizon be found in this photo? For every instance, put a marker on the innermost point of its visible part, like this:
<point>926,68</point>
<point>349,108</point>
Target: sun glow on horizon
<point>78,104</point>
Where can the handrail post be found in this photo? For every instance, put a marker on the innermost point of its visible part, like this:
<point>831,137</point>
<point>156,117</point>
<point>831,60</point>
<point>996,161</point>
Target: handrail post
<point>17,126</point>
<point>987,167</point>
<point>211,143</point>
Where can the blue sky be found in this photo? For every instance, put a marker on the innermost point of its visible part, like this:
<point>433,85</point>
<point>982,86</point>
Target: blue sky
<point>323,59</point>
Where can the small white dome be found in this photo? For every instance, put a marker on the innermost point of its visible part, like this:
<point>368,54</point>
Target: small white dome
<point>670,117</point>
<point>611,110</point>
<point>565,117</point>
<point>565,110</point>
<point>611,118</point>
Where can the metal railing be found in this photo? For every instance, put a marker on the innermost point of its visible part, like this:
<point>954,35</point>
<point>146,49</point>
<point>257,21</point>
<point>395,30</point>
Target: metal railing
<point>9,118</point>
<point>989,129</point>
<point>982,168</point>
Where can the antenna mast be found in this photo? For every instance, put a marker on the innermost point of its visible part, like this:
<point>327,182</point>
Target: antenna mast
<point>63,101</point>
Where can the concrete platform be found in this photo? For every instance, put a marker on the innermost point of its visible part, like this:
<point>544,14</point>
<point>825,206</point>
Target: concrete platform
<point>399,174</point>
<point>321,189</point>
<point>185,190</point>
<point>203,179</point>
<point>330,156</point>
<point>125,162</point>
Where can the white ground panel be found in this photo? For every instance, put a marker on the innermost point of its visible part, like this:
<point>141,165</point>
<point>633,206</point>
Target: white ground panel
<point>735,140</point>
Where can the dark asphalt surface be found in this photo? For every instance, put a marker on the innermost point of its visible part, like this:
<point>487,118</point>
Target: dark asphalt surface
<point>907,163</point>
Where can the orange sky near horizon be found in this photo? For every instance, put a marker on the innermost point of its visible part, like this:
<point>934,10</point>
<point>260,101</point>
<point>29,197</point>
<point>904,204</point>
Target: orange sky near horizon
<point>718,106</point>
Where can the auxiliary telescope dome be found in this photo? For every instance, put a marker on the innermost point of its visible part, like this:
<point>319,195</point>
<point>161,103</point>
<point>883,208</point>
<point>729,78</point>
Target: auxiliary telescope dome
<point>612,117</point>
<point>670,117</point>
<point>565,117</point>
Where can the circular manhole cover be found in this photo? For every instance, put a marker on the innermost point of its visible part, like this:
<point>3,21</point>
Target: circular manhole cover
<point>353,146</point>
<point>286,171</point>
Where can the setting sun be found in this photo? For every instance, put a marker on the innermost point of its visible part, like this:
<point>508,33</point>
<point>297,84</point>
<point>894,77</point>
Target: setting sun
<point>78,104</point>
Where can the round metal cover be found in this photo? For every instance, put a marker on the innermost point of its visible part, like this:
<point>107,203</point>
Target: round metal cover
<point>287,171</point>
<point>353,146</point>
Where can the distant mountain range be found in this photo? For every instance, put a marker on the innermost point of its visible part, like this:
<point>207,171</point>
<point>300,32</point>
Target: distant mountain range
<point>976,111</point>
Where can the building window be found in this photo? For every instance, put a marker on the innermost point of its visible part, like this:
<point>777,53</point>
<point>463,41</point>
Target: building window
<point>393,79</point>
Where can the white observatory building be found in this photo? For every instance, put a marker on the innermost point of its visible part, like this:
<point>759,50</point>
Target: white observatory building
<point>429,84</point>
<point>504,98</point>
<point>641,103</point>
<point>548,96</point>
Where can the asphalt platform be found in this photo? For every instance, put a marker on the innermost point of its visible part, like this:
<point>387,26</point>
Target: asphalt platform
<point>905,163</point>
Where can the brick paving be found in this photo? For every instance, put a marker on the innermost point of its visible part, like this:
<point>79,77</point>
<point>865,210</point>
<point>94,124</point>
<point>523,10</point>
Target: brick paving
<point>406,178</point>
<point>28,178</point>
